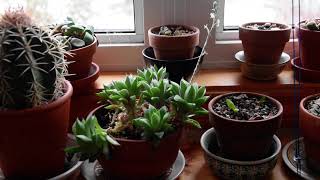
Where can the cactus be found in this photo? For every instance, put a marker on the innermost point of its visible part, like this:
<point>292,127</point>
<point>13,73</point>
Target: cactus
<point>32,65</point>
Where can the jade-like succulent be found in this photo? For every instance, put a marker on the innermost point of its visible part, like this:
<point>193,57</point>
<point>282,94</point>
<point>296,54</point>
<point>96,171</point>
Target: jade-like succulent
<point>32,65</point>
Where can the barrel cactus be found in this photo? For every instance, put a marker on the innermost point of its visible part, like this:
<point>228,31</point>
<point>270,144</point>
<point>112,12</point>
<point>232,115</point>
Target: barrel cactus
<point>32,65</point>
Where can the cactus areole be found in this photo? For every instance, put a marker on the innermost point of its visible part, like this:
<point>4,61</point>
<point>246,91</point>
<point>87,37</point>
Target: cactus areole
<point>32,65</point>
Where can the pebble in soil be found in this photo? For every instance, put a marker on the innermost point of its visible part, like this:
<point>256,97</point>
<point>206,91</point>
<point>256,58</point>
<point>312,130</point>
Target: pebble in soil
<point>174,31</point>
<point>266,26</point>
<point>313,106</point>
<point>250,107</point>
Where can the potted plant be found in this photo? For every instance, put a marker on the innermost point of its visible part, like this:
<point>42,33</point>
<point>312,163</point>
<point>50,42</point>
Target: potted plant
<point>245,123</point>
<point>81,43</point>
<point>34,99</point>
<point>143,116</point>
<point>310,127</point>
<point>173,42</point>
<point>308,34</point>
<point>262,42</point>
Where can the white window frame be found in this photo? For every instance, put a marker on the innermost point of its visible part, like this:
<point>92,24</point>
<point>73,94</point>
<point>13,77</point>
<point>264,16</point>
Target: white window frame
<point>126,56</point>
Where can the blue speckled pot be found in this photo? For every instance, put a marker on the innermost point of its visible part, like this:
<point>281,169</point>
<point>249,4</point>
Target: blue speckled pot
<point>231,169</point>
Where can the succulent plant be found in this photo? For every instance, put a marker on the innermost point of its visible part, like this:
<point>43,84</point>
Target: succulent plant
<point>92,140</point>
<point>313,25</point>
<point>74,35</point>
<point>232,106</point>
<point>32,65</point>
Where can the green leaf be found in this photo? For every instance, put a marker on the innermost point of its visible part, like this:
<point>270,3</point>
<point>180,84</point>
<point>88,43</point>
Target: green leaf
<point>201,92</point>
<point>88,38</point>
<point>72,150</point>
<point>193,123</point>
<point>112,141</point>
<point>231,105</point>
<point>84,138</point>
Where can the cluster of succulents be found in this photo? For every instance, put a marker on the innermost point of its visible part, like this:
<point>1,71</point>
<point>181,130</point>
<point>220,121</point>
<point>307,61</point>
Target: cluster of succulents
<point>149,105</point>
<point>313,106</point>
<point>174,31</point>
<point>74,35</point>
<point>313,25</point>
<point>32,65</point>
<point>266,26</point>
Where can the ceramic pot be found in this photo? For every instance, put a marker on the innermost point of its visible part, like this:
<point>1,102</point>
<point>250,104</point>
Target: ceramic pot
<point>81,59</point>
<point>174,67</point>
<point>310,128</point>
<point>309,48</point>
<point>32,141</point>
<point>173,47</point>
<point>139,159</point>
<point>241,139</point>
<point>263,46</point>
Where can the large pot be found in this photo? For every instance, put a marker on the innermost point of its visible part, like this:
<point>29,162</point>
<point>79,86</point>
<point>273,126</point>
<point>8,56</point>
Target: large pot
<point>309,46</point>
<point>310,128</point>
<point>138,159</point>
<point>32,141</point>
<point>173,47</point>
<point>241,139</point>
<point>263,46</point>
<point>81,59</point>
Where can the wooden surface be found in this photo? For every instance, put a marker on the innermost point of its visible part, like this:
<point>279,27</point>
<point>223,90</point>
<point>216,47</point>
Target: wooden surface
<point>197,169</point>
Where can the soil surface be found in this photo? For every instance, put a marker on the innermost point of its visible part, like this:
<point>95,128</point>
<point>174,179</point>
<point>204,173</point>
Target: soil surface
<point>266,26</point>
<point>174,31</point>
<point>313,106</point>
<point>313,25</point>
<point>250,107</point>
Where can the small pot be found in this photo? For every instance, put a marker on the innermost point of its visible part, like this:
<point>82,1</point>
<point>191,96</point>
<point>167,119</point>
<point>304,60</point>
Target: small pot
<point>309,46</point>
<point>263,46</point>
<point>81,59</point>
<point>32,141</point>
<point>174,67</point>
<point>173,47</point>
<point>310,128</point>
<point>138,159</point>
<point>241,139</point>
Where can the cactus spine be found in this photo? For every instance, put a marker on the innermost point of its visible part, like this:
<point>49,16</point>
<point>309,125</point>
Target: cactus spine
<point>32,65</point>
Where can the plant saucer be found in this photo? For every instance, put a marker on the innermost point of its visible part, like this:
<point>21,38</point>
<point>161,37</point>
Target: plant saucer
<point>294,157</point>
<point>94,171</point>
<point>304,74</point>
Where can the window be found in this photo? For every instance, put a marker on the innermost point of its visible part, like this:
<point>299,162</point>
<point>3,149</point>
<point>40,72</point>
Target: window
<point>237,12</point>
<point>114,21</point>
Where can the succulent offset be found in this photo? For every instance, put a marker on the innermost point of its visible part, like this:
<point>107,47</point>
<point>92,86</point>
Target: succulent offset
<point>32,65</point>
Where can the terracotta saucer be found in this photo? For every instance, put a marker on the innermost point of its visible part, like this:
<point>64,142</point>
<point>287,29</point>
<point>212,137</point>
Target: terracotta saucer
<point>304,74</point>
<point>84,85</point>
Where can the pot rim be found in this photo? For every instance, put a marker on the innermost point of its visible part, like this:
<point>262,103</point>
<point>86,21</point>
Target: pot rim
<point>68,172</point>
<point>236,162</point>
<point>215,99</point>
<point>304,101</point>
<point>171,61</point>
<point>87,46</point>
<point>197,31</point>
<point>294,62</point>
<point>44,107</point>
<point>131,140</point>
<point>243,26</point>
<point>90,75</point>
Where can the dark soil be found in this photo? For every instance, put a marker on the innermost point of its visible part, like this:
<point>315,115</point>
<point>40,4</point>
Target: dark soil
<point>313,106</point>
<point>266,26</point>
<point>174,31</point>
<point>250,107</point>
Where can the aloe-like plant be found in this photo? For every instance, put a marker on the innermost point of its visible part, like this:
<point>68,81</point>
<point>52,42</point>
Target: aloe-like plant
<point>32,65</point>
<point>149,106</point>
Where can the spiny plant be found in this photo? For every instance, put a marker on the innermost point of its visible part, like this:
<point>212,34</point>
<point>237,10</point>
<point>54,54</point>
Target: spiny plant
<point>32,65</point>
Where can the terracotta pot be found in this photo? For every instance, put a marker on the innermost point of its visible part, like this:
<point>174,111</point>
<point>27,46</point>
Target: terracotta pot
<point>310,128</point>
<point>263,46</point>
<point>173,47</point>
<point>172,65</point>
<point>139,159</point>
<point>81,61</point>
<point>32,141</point>
<point>309,48</point>
<point>241,139</point>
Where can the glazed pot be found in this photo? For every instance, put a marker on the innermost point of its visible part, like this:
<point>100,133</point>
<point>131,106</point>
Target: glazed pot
<point>263,46</point>
<point>174,67</point>
<point>242,139</point>
<point>173,47</point>
<point>310,128</point>
<point>81,59</point>
<point>32,141</point>
<point>138,159</point>
<point>309,48</point>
